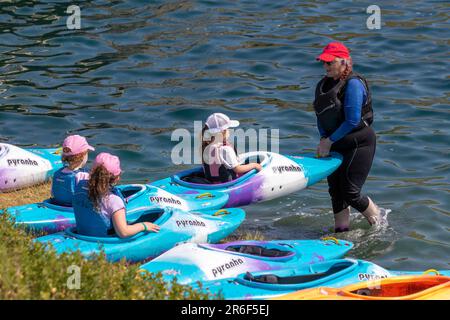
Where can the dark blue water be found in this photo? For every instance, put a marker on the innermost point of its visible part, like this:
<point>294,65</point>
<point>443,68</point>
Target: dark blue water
<point>138,70</point>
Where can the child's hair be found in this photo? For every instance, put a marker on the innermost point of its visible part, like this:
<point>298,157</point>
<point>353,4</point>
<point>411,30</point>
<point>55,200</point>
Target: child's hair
<point>74,160</point>
<point>100,182</point>
<point>205,143</point>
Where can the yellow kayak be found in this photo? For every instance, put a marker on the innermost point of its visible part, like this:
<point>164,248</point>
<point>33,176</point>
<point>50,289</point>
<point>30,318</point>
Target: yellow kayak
<point>423,287</point>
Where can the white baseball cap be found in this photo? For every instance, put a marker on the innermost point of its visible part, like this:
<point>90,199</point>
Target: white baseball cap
<point>218,122</point>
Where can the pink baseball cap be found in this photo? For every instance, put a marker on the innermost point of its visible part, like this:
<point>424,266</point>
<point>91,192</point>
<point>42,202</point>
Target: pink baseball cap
<point>75,145</point>
<point>110,162</point>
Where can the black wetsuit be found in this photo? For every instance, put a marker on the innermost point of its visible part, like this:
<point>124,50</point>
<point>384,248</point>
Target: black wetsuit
<point>345,184</point>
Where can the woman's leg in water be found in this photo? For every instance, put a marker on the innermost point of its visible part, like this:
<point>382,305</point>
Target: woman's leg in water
<point>372,213</point>
<point>342,220</point>
<point>353,177</point>
<point>340,209</point>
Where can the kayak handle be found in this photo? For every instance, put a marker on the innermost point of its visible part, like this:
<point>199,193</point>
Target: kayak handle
<point>330,238</point>
<point>286,245</point>
<point>58,151</point>
<point>205,195</point>
<point>221,212</point>
<point>432,271</point>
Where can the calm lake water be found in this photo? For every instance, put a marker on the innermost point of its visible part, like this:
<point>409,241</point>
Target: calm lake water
<point>137,70</point>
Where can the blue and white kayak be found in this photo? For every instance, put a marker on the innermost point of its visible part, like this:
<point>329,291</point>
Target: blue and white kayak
<point>20,168</point>
<point>274,283</point>
<point>176,227</point>
<point>192,262</point>
<point>51,217</point>
<point>280,176</point>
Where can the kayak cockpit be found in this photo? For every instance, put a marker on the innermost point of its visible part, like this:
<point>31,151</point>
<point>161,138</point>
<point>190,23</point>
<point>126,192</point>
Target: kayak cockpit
<point>157,216</point>
<point>53,204</point>
<point>265,251</point>
<point>259,251</point>
<point>293,279</point>
<point>399,288</point>
<point>131,191</point>
<point>152,216</point>
<point>195,178</point>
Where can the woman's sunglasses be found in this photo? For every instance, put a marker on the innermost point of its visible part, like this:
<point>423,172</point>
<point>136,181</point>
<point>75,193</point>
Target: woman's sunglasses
<point>328,63</point>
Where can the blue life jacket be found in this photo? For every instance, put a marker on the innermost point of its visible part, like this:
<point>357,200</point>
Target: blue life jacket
<point>89,221</point>
<point>63,186</point>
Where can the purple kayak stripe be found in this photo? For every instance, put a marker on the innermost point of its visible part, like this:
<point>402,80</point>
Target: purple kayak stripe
<point>190,192</point>
<point>246,193</point>
<point>316,258</point>
<point>7,176</point>
<point>61,223</point>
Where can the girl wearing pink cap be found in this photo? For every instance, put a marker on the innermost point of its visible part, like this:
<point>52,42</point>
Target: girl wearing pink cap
<point>219,157</point>
<point>75,155</point>
<point>99,209</point>
<point>343,106</point>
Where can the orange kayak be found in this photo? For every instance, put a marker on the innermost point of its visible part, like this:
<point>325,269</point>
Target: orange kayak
<point>423,287</point>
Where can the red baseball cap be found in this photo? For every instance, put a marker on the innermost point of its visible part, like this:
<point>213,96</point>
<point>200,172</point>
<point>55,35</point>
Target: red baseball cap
<point>334,50</point>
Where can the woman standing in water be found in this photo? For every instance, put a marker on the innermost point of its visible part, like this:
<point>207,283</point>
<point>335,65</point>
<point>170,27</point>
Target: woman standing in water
<point>343,107</point>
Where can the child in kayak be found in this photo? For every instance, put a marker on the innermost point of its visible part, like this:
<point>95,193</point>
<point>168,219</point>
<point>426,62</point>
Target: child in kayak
<point>75,155</point>
<point>219,157</point>
<point>99,209</point>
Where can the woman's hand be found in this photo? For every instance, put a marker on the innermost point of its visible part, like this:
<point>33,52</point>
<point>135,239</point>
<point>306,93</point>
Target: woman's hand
<point>323,149</point>
<point>151,227</point>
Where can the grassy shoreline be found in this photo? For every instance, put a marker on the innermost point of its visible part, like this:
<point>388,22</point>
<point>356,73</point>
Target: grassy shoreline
<point>24,196</point>
<point>29,271</point>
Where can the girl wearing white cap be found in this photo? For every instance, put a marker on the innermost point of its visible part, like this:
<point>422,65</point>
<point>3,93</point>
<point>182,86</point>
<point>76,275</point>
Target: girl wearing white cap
<point>220,160</point>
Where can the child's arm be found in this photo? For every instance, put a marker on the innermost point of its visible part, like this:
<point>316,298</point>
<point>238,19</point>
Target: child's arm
<point>125,230</point>
<point>230,159</point>
<point>244,168</point>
